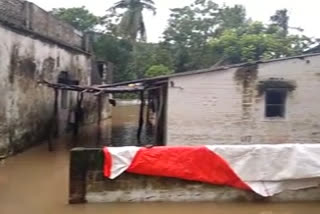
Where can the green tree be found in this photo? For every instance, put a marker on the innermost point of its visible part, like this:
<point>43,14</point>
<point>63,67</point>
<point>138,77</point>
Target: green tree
<point>281,19</point>
<point>231,17</point>
<point>191,27</point>
<point>79,17</point>
<point>205,34</point>
<point>145,56</point>
<point>132,24</point>
<point>131,65</point>
<point>117,51</point>
<point>158,70</point>
<point>257,42</point>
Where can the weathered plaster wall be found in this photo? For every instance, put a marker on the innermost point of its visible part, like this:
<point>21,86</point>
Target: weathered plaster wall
<point>26,108</point>
<point>12,11</point>
<point>225,107</point>
<point>139,188</point>
<point>26,15</point>
<point>34,45</point>
<point>45,24</point>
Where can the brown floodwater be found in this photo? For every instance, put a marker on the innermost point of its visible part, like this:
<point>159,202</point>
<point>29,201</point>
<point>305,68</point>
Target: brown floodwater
<point>36,182</point>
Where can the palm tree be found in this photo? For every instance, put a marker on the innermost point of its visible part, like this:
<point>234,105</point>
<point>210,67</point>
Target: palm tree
<point>132,23</point>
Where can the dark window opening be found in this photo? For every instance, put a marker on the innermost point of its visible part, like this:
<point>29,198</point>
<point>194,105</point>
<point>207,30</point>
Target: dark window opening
<point>101,69</point>
<point>275,102</point>
<point>64,78</point>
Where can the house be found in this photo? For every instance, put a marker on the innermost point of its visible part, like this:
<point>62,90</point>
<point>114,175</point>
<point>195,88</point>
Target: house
<point>259,119</point>
<point>265,102</point>
<point>35,46</point>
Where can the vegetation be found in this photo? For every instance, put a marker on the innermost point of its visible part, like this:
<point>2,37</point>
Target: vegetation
<point>198,35</point>
<point>158,70</point>
<point>78,17</point>
<point>132,22</point>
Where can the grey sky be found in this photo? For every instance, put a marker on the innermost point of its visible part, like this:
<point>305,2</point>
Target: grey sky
<point>303,13</point>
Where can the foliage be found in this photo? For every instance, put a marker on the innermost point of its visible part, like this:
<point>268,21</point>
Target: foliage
<point>118,52</point>
<point>281,19</point>
<point>256,42</point>
<point>205,34</point>
<point>132,22</point>
<point>192,26</point>
<point>79,17</point>
<point>198,35</point>
<point>131,65</point>
<point>147,55</point>
<point>158,70</point>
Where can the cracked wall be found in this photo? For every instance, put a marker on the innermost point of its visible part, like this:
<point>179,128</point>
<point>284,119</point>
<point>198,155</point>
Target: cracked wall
<point>26,108</point>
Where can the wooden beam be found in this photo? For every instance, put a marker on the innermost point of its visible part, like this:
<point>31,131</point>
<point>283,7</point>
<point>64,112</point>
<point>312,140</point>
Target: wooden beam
<point>93,89</point>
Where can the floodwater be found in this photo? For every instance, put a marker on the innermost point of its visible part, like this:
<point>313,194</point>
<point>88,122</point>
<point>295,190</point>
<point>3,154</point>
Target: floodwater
<point>36,182</point>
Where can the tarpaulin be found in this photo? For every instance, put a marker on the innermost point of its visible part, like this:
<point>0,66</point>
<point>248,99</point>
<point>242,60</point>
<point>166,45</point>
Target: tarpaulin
<point>264,169</point>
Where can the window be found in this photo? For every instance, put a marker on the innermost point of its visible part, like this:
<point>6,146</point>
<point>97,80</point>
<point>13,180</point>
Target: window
<point>275,102</point>
<point>64,78</point>
<point>101,69</point>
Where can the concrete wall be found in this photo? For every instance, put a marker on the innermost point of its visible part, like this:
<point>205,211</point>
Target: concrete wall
<point>13,11</point>
<point>87,184</point>
<point>35,46</point>
<point>26,15</point>
<point>25,107</point>
<point>226,106</point>
<point>139,188</point>
<point>45,24</point>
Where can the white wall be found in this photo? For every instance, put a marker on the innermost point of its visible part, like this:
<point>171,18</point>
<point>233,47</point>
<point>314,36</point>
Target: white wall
<point>216,108</point>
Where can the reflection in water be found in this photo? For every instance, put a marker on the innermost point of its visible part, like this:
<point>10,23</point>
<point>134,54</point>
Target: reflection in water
<point>125,121</point>
<point>36,182</point>
<point>120,130</point>
<point>125,125</point>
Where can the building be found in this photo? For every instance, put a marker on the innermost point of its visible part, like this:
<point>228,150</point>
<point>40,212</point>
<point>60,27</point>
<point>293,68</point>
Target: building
<point>36,46</point>
<point>263,115</point>
<point>266,102</point>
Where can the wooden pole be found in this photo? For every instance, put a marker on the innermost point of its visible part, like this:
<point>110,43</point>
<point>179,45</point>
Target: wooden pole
<point>99,102</point>
<point>141,117</point>
<point>78,114</point>
<point>54,126</point>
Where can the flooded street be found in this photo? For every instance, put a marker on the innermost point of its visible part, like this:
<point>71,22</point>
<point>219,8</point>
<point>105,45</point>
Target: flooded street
<point>36,182</point>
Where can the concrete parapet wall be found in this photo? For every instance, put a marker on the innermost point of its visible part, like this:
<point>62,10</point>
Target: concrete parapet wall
<point>13,11</point>
<point>87,184</point>
<point>28,16</point>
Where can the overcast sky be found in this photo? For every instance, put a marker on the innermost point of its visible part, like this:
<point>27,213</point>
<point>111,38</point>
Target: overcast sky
<point>303,13</point>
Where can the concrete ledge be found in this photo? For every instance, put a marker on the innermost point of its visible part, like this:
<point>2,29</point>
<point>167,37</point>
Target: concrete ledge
<point>82,161</point>
<point>87,184</point>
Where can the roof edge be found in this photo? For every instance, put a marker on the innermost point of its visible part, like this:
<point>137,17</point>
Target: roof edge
<point>213,69</point>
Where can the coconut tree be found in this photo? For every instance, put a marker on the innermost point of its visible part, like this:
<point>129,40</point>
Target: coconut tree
<point>132,26</point>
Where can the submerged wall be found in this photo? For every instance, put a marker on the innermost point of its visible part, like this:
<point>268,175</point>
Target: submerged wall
<point>87,184</point>
<point>227,106</point>
<point>30,53</point>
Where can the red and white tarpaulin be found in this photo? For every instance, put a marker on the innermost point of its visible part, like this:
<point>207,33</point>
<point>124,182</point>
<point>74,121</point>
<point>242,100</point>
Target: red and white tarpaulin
<point>264,169</point>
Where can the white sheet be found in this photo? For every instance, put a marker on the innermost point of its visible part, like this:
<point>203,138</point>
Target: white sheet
<point>121,159</point>
<point>271,169</point>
